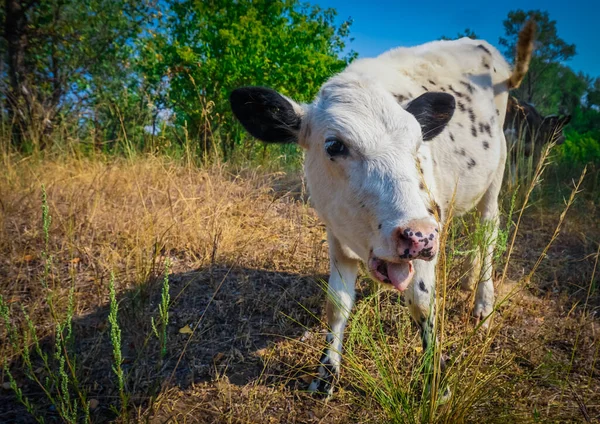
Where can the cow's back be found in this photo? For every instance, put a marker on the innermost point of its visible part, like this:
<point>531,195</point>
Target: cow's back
<point>461,162</point>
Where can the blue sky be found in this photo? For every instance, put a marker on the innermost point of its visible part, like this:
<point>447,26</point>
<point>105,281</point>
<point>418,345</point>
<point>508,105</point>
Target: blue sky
<point>382,24</point>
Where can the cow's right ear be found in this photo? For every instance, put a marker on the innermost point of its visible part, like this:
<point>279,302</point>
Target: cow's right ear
<point>266,114</point>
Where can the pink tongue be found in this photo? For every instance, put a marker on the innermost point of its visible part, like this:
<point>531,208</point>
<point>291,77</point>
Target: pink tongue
<point>400,274</point>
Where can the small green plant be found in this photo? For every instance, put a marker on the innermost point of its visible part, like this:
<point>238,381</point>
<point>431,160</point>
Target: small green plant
<point>115,339</point>
<point>13,338</point>
<point>163,312</point>
<point>61,381</point>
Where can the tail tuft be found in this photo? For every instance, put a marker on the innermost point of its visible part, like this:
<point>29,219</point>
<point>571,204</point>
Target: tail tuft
<point>524,52</point>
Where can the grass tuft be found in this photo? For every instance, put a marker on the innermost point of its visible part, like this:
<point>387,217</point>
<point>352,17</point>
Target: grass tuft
<point>115,339</point>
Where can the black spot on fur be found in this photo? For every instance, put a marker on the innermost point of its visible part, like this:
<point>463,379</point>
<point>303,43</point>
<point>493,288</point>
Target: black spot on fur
<point>379,226</point>
<point>430,211</point>
<point>431,82</point>
<point>461,106</point>
<point>486,65</point>
<point>462,152</point>
<point>422,286</point>
<point>486,145</point>
<point>439,212</point>
<point>471,115</point>
<point>419,234</point>
<point>451,137</point>
<point>485,49</point>
<point>406,254</point>
<point>488,129</point>
<point>421,185</point>
<point>468,86</point>
<point>473,131</point>
<point>424,88</point>
<point>481,128</point>
<point>400,97</point>
<point>456,93</point>
<point>471,163</point>
<point>497,112</point>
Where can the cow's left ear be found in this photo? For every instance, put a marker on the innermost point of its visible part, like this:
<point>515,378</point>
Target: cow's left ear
<point>556,121</point>
<point>565,119</point>
<point>266,114</point>
<point>432,111</point>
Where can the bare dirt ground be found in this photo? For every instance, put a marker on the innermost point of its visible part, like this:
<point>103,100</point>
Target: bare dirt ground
<point>248,260</point>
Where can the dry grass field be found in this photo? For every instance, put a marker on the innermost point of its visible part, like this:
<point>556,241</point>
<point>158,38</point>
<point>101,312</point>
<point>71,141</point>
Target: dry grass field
<point>246,259</point>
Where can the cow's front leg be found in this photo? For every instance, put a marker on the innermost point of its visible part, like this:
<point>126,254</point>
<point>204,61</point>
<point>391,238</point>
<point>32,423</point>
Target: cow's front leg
<point>489,216</point>
<point>421,304</point>
<point>340,298</point>
<point>484,297</point>
<point>477,272</point>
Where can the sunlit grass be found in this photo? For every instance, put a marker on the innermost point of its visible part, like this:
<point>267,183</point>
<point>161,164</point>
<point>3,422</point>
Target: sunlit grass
<point>68,223</point>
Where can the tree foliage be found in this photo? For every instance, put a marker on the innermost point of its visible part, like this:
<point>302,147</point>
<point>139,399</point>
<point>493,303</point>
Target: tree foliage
<point>64,55</point>
<point>215,46</point>
<point>153,74</point>
<point>123,68</point>
<point>468,32</point>
<point>550,50</point>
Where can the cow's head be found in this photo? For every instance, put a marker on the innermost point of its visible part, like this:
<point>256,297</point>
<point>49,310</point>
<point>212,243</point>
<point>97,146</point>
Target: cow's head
<point>361,165</point>
<point>524,122</point>
<point>552,128</point>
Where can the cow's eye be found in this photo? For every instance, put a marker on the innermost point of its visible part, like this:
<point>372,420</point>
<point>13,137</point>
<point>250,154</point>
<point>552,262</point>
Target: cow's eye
<point>335,147</point>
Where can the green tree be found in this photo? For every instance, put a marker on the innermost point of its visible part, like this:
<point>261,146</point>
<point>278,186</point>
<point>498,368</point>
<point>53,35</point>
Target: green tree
<point>549,50</point>
<point>215,46</point>
<point>63,55</point>
<point>559,90</point>
<point>468,32</point>
<point>593,95</point>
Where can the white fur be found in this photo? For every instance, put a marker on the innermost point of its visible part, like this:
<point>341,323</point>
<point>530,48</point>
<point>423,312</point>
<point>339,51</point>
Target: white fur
<point>378,183</point>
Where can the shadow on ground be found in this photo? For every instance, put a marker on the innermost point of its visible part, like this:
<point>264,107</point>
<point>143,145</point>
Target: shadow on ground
<point>235,313</point>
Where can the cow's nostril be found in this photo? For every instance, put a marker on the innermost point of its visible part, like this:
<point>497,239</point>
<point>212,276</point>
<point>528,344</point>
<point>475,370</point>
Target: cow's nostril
<point>417,240</point>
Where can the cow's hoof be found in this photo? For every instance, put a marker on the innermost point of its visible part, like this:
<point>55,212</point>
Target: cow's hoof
<point>445,395</point>
<point>322,386</point>
<point>482,314</point>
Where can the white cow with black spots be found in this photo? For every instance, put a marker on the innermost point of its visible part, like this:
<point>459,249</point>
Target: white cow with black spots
<point>389,144</point>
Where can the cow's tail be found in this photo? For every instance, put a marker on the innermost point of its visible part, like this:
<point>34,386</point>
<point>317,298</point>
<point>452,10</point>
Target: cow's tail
<point>524,51</point>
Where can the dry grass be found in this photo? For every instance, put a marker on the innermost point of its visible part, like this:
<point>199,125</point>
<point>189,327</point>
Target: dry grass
<point>248,258</point>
